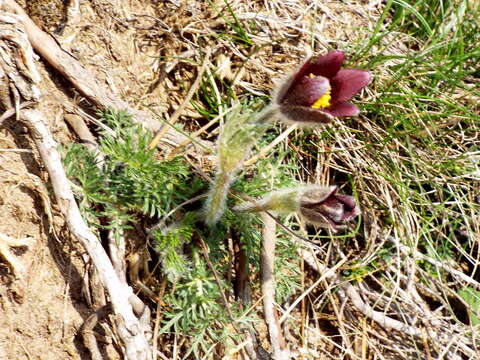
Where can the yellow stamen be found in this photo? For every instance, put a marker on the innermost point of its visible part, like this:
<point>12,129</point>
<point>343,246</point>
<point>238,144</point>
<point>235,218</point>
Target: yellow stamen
<point>323,101</point>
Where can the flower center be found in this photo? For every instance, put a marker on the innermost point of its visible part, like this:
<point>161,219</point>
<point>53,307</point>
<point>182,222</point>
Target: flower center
<point>323,101</point>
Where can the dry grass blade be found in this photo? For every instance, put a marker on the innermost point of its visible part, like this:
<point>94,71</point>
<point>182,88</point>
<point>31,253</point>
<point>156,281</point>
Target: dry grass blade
<point>178,111</point>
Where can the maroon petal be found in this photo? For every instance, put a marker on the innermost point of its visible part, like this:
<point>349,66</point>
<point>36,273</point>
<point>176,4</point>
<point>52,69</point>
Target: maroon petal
<point>306,91</point>
<point>348,82</point>
<point>303,70</point>
<point>327,65</point>
<point>342,109</point>
<point>304,114</point>
<point>289,81</point>
<point>347,201</point>
<point>338,208</point>
<point>350,208</point>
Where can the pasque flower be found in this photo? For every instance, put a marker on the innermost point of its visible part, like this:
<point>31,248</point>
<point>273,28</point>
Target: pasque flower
<point>324,206</point>
<point>319,90</point>
<point>318,205</point>
<point>315,93</point>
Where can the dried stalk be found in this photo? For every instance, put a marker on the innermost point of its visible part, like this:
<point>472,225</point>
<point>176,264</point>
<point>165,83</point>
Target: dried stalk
<point>277,341</point>
<point>86,137</point>
<point>186,100</point>
<point>348,290</point>
<point>88,334</point>
<point>418,255</point>
<point>262,153</point>
<point>12,111</point>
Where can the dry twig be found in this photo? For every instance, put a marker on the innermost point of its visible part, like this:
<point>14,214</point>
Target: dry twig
<point>116,244</point>
<point>186,100</point>
<point>12,111</point>
<point>270,146</point>
<point>347,290</point>
<point>88,334</point>
<point>279,348</point>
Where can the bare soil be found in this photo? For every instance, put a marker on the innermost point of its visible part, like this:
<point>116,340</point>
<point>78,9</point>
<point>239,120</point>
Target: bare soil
<point>42,309</point>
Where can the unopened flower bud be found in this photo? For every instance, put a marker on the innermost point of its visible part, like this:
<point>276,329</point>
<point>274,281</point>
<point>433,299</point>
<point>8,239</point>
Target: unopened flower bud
<point>323,206</point>
<point>317,205</point>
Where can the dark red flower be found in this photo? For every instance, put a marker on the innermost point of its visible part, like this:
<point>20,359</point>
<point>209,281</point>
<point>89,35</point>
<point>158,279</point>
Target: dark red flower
<point>318,205</point>
<point>322,207</point>
<point>319,90</point>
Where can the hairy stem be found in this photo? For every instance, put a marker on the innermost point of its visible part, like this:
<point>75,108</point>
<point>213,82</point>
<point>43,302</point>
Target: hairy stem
<point>217,197</point>
<point>237,138</point>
